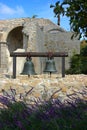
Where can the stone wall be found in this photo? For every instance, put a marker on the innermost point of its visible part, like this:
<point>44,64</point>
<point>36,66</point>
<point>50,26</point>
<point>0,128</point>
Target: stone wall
<point>3,57</point>
<point>38,35</point>
<point>42,87</point>
<point>58,41</point>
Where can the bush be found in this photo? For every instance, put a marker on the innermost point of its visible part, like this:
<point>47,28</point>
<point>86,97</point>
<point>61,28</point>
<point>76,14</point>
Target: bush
<point>75,65</point>
<point>83,51</point>
<point>78,64</point>
<point>48,115</point>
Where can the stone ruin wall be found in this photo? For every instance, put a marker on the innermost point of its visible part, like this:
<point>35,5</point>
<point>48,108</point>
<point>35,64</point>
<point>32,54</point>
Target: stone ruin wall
<point>60,41</point>
<point>38,35</point>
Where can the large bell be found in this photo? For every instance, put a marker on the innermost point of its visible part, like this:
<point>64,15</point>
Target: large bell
<point>50,66</point>
<point>28,67</point>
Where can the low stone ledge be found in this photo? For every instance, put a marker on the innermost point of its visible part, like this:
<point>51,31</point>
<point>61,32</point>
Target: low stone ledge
<point>44,87</point>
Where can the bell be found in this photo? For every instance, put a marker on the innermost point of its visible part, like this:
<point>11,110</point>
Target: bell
<point>50,66</point>
<point>28,68</point>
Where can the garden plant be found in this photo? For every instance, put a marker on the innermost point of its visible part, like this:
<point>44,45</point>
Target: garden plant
<point>18,114</point>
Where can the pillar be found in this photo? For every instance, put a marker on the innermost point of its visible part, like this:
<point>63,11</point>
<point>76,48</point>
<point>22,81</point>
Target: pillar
<point>3,57</point>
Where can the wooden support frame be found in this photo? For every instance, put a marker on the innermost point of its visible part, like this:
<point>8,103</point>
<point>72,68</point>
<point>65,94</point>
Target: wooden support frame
<point>14,67</point>
<point>38,54</point>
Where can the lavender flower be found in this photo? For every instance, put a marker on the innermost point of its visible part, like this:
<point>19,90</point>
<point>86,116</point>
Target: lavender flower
<point>4,100</point>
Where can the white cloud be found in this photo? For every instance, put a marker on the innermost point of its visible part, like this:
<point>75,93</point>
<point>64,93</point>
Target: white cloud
<point>19,10</point>
<point>6,10</point>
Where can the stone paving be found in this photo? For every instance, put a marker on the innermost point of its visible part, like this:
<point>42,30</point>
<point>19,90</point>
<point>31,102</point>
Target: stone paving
<point>45,87</point>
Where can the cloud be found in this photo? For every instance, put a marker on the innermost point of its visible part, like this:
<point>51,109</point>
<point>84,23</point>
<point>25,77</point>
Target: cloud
<point>6,10</point>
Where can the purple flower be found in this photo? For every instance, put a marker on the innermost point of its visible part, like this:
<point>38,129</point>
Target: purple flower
<point>4,100</point>
<point>19,124</point>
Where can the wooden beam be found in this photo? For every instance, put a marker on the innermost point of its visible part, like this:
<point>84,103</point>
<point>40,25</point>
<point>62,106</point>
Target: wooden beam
<point>39,54</point>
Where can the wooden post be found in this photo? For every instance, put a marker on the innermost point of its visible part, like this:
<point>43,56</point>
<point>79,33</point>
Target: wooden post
<point>63,66</point>
<point>14,67</point>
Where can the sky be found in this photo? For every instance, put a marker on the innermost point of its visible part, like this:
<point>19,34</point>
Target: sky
<point>27,8</point>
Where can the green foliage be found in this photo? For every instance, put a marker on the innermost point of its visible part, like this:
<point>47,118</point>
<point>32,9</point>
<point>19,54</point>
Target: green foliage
<point>83,44</point>
<point>34,16</point>
<point>75,65</point>
<point>58,10</point>
<point>78,63</point>
<point>84,51</point>
<point>45,115</point>
<point>84,64</point>
<point>48,116</point>
<point>83,54</point>
<point>76,10</point>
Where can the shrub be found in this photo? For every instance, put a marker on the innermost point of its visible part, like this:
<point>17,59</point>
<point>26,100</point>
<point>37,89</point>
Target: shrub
<point>48,115</point>
<point>75,65</point>
<point>78,62</point>
<point>83,51</point>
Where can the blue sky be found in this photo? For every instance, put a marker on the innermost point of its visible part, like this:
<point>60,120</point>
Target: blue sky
<point>28,8</point>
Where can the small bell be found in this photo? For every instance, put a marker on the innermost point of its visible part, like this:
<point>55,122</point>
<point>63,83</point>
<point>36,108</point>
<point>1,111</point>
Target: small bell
<point>50,66</point>
<point>28,67</point>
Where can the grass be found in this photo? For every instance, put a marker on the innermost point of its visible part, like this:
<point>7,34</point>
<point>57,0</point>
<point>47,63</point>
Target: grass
<point>45,115</point>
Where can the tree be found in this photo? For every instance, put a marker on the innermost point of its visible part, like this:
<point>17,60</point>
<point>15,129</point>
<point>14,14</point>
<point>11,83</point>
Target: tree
<point>58,10</point>
<point>34,16</point>
<point>76,10</point>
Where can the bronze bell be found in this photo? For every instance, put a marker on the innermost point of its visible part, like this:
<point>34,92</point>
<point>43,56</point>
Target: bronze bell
<point>50,66</point>
<point>28,67</point>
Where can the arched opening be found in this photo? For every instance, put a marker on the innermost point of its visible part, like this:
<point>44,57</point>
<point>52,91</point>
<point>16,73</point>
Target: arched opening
<point>15,39</point>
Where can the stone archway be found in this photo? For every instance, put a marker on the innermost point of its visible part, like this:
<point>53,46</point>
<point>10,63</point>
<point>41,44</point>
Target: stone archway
<point>15,43</point>
<point>15,39</point>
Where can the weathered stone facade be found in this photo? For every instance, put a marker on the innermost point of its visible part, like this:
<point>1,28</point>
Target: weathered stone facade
<point>34,34</point>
